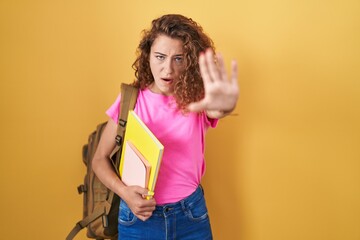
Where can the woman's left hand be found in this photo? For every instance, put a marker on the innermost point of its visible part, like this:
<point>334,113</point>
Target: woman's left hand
<point>221,94</point>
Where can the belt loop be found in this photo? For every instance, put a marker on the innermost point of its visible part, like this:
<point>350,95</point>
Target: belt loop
<point>202,189</point>
<point>183,206</point>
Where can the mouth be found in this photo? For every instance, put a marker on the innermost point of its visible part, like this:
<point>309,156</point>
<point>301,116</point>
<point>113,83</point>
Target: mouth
<point>167,80</point>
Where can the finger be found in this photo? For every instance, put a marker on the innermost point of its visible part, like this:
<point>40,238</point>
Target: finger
<point>222,68</point>
<point>141,191</point>
<point>142,218</point>
<point>234,73</point>
<point>145,205</point>
<point>148,209</point>
<point>204,71</point>
<point>143,210</point>
<point>213,69</point>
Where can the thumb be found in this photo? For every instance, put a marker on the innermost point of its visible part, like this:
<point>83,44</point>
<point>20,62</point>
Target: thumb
<point>144,192</point>
<point>197,106</point>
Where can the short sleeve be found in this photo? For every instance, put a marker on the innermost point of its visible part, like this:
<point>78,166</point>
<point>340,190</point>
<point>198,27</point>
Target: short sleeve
<point>210,122</point>
<point>113,111</point>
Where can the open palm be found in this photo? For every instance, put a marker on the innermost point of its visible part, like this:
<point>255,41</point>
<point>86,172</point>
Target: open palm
<point>221,93</point>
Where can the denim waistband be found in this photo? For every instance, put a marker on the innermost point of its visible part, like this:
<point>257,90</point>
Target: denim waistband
<point>181,205</point>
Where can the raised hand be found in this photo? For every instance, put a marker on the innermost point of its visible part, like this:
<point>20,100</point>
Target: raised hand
<point>221,93</point>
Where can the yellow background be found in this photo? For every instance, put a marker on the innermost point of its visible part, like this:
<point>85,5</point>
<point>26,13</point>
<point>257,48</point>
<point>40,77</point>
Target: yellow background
<point>287,167</point>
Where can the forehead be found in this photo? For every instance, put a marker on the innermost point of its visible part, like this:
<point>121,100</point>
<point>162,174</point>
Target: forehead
<point>167,45</point>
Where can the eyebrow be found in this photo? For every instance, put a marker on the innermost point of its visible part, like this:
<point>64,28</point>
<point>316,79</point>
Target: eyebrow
<point>176,55</point>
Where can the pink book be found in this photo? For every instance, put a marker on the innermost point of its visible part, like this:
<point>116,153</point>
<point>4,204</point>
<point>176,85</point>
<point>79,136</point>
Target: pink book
<point>136,169</point>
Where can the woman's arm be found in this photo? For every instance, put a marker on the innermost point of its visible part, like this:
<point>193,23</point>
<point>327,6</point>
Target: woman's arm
<point>221,94</point>
<point>132,195</point>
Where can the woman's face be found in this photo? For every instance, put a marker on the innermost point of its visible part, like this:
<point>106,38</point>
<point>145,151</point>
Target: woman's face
<point>166,63</point>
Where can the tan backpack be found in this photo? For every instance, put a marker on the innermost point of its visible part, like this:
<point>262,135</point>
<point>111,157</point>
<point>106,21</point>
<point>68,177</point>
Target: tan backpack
<point>101,205</point>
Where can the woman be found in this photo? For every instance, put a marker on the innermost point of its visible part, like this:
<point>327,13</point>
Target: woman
<point>184,90</point>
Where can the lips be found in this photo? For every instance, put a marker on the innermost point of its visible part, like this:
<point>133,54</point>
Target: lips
<point>167,79</point>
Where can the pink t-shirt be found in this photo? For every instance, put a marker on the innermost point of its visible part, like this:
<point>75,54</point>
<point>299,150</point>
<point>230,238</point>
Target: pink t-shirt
<point>183,137</point>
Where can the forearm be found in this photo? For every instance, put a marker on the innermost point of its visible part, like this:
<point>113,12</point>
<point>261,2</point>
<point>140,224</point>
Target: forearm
<point>106,174</point>
<point>101,163</point>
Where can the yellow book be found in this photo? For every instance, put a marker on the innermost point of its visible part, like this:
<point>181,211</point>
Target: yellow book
<point>147,144</point>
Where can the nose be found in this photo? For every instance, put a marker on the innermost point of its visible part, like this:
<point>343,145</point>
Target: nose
<point>168,66</point>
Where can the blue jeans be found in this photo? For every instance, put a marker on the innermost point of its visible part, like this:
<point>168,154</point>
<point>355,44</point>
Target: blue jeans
<point>184,220</point>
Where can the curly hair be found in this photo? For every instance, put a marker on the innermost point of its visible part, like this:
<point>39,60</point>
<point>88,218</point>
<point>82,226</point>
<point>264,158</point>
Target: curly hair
<point>190,87</point>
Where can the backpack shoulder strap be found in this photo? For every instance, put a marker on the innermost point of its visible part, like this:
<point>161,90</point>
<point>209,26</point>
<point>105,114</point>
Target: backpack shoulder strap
<point>128,100</point>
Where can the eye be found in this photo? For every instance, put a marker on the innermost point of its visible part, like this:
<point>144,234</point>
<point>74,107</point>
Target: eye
<point>178,59</point>
<point>160,57</point>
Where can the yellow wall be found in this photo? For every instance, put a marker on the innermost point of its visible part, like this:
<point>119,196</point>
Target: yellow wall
<point>287,167</point>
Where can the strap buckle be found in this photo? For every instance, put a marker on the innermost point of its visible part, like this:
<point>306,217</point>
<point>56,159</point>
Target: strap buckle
<point>118,140</point>
<point>82,188</point>
<point>122,122</point>
<point>105,221</point>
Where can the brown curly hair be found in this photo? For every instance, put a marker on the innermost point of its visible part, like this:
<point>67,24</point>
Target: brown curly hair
<point>190,87</point>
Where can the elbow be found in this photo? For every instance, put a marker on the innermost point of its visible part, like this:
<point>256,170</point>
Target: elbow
<point>95,163</point>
